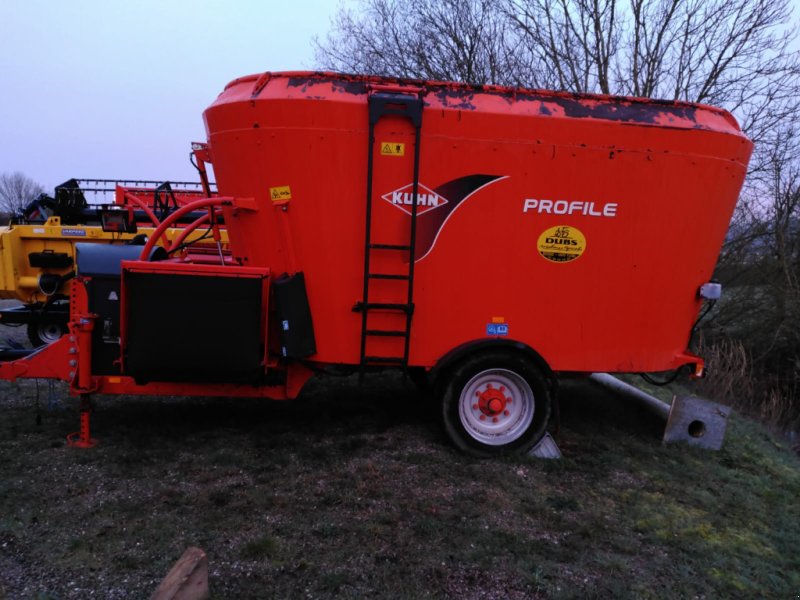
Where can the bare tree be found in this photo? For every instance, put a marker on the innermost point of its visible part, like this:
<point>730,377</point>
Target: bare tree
<point>17,191</point>
<point>445,39</point>
<point>572,43</point>
<point>761,265</point>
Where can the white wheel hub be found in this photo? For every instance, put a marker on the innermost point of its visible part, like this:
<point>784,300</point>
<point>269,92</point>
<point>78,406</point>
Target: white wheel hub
<point>496,406</point>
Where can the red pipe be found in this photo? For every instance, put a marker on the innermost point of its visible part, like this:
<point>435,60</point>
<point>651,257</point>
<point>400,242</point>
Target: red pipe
<point>186,231</point>
<point>150,214</point>
<point>166,223</point>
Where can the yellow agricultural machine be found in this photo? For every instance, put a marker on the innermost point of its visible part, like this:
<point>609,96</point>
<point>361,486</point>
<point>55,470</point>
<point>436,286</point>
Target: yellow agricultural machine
<point>37,247</point>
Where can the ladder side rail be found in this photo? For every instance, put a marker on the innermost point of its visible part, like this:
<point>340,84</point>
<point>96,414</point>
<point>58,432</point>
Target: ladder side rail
<point>367,236</point>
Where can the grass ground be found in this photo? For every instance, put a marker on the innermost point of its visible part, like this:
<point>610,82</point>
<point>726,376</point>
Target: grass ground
<point>354,493</point>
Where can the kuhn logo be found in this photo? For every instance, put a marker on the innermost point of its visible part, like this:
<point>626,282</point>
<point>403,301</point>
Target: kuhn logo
<point>427,199</point>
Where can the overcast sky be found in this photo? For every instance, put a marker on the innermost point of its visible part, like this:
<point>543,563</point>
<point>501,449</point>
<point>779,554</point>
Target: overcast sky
<point>116,89</point>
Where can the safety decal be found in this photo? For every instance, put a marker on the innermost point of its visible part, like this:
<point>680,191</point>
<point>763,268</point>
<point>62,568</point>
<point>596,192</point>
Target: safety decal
<point>563,243</point>
<point>497,329</point>
<point>280,193</point>
<point>75,232</point>
<point>393,149</point>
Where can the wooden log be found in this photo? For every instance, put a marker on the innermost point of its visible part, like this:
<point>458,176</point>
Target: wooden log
<point>187,580</point>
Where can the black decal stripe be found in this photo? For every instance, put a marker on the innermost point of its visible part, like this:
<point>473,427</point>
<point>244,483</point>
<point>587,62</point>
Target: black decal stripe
<point>429,224</point>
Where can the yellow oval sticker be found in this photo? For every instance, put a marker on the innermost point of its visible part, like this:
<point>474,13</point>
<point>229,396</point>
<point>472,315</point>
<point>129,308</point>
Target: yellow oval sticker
<point>562,243</point>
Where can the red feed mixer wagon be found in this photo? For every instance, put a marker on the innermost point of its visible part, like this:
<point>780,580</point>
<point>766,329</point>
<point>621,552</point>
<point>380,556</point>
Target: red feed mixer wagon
<point>489,238</point>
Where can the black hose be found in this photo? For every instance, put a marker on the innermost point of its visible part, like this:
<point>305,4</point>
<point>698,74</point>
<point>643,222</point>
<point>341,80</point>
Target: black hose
<point>667,381</point>
<point>709,305</point>
<point>194,241</point>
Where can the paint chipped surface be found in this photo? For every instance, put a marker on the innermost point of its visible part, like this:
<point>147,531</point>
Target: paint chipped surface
<point>499,99</point>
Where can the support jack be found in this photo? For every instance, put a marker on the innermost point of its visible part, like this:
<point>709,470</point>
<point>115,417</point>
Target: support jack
<point>83,438</point>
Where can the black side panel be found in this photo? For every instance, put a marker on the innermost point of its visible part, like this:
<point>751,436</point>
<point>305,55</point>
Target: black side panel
<point>47,259</point>
<point>102,263</point>
<point>104,302</point>
<point>294,316</point>
<point>193,328</point>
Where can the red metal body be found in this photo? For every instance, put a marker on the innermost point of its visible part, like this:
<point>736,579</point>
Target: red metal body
<point>650,186</point>
<point>579,228</point>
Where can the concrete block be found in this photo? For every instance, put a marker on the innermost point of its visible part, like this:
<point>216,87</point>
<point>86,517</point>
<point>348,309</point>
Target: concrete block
<point>697,422</point>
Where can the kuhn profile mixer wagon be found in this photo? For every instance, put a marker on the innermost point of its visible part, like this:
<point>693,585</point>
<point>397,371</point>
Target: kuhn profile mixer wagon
<point>490,237</point>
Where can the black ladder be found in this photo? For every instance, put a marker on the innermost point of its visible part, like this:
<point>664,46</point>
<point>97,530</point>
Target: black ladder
<point>410,106</point>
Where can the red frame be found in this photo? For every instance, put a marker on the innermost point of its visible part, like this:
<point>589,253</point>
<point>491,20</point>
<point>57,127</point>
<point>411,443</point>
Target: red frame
<point>69,358</point>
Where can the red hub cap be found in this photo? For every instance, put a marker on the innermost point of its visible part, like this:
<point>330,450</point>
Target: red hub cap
<point>492,402</point>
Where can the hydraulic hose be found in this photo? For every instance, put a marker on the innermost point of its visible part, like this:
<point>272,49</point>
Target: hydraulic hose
<point>166,223</point>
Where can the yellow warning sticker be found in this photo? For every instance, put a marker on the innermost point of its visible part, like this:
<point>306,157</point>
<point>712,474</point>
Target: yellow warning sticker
<point>283,192</point>
<point>563,243</point>
<point>393,149</point>
<point>497,320</point>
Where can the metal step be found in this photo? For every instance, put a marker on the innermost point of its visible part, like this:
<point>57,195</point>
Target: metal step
<point>387,276</point>
<point>406,308</point>
<point>389,247</point>
<point>385,332</point>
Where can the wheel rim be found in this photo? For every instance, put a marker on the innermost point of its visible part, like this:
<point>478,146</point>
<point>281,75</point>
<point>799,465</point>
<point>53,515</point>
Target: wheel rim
<point>49,333</point>
<point>496,407</point>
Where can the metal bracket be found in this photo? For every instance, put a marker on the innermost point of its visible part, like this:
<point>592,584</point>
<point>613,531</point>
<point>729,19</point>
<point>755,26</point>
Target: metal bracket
<point>546,448</point>
<point>382,104</point>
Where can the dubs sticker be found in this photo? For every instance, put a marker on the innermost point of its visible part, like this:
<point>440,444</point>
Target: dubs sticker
<point>497,329</point>
<point>563,243</point>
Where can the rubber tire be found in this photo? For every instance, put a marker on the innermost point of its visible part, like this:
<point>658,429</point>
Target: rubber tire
<point>34,337</point>
<point>459,376</point>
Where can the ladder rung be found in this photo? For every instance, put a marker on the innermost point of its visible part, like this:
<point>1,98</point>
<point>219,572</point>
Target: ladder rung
<point>395,360</point>
<point>389,247</point>
<point>386,276</point>
<point>388,306</point>
<point>386,332</point>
